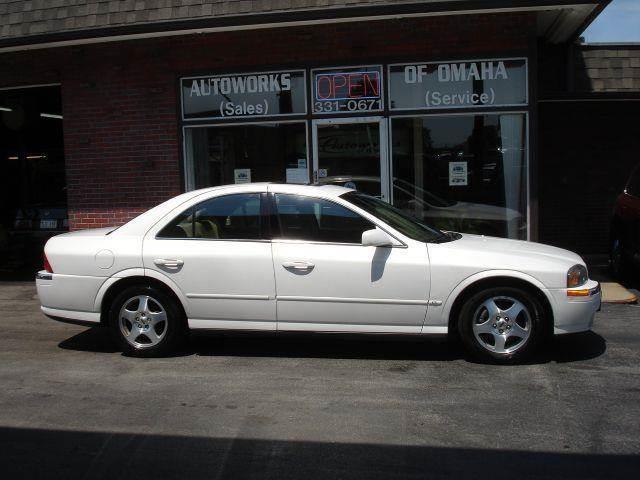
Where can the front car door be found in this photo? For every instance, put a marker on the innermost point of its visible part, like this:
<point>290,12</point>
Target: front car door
<point>326,280</point>
<point>216,251</point>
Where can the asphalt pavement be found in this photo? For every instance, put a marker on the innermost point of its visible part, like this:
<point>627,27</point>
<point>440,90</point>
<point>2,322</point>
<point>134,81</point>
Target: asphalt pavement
<point>313,406</point>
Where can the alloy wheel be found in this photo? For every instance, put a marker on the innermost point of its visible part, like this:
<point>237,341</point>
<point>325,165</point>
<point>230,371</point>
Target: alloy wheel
<point>143,321</point>
<point>502,324</point>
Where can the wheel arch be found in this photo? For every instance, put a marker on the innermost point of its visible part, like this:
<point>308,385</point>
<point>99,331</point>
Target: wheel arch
<point>111,289</point>
<point>485,280</point>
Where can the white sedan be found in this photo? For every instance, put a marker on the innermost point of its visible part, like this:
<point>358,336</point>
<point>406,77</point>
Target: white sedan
<point>310,258</point>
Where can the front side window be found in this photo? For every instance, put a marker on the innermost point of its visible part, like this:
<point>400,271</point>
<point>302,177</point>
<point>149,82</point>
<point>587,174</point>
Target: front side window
<point>318,220</point>
<point>394,217</point>
<point>230,217</point>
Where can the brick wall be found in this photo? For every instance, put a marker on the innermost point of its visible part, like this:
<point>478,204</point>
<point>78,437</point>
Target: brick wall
<point>121,129</point>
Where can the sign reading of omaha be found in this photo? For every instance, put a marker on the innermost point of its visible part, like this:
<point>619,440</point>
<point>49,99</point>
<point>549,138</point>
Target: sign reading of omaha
<point>483,83</point>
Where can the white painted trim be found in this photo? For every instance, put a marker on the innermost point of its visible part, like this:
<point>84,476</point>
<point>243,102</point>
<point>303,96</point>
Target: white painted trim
<point>191,31</point>
<point>381,301</point>
<point>72,315</point>
<point>221,296</point>
<point>348,328</point>
<point>202,324</point>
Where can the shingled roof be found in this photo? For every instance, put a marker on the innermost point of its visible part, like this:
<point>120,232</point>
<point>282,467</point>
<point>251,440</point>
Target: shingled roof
<point>607,68</point>
<point>29,22</point>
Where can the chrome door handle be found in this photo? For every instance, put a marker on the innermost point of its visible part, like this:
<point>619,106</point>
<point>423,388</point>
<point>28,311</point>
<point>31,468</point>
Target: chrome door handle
<point>165,262</point>
<point>300,266</point>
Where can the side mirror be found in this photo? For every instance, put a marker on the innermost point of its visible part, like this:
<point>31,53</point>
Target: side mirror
<point>376,238</point>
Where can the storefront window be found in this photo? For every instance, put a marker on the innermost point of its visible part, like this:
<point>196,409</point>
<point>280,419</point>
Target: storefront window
<point>466,173</point>
<point>266,152</point>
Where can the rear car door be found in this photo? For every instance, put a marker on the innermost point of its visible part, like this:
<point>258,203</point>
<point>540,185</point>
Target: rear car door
<point>217,253</point>
<point>326,280</point>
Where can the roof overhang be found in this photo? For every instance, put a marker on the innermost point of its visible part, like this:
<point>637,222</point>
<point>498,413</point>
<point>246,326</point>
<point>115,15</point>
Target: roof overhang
<point>558,21</point>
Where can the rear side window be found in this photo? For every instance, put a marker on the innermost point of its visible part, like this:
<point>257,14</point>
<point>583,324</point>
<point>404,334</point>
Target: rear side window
<point>318,220</point>
<point>230,217</point>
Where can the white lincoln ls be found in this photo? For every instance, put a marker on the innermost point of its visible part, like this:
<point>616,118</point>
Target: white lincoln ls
<point>310,258</point>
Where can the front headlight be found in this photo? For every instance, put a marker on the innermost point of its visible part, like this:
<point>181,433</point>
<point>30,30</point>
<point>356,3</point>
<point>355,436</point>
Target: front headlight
<point>577,276</point>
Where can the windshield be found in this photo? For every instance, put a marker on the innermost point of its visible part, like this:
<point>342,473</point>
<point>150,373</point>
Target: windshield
<point>396,219</point>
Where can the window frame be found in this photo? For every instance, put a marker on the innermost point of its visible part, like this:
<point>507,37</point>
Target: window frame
<point>264,230</point>
<point>274,223</point>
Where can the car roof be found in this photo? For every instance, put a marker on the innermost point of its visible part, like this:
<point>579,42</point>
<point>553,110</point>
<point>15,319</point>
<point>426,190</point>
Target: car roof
<point>153,215</point>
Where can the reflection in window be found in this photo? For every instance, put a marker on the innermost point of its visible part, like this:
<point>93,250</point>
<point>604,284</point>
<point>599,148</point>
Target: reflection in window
<point>318,220</point>
<point>465,173</point>
<point>244,153</point>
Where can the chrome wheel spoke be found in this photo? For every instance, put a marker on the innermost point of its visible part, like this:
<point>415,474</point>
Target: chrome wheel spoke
<point>518,331</point>
<point>514,310</point>
<point>492,308</point>
<point>157,317</point>
<point>152,335</point>
<point>486,327</point>
<point>500,341</point>
<point>143,304</point>
<point>128,315</point>
<point>134,333</point>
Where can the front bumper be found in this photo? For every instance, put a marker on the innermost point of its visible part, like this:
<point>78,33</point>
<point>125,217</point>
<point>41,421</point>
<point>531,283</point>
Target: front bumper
<point>576,308</point>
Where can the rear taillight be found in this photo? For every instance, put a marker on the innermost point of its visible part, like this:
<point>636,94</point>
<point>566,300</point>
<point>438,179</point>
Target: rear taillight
<point>47,265</point>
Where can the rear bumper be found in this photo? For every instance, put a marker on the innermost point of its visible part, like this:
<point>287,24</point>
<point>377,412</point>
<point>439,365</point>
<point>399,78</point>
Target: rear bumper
<point>88,319</point>
<point>576,313</point>
<point>69,297</point>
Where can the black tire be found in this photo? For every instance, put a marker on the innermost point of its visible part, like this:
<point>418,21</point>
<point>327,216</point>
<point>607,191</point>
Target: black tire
<point>169,334</point>
<point>473,309</point>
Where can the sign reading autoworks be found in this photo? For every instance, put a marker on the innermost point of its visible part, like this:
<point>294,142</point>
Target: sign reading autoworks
<point>440,85</point>
<point>244,95</point>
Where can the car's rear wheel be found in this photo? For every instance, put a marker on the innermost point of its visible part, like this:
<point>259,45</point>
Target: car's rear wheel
<point>501,325</point>
<point>146,322</point>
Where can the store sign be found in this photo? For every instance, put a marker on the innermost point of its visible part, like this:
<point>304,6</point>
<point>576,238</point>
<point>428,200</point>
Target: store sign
<point>482,83</point>
<point>244,95</point>
<point>353,89</point>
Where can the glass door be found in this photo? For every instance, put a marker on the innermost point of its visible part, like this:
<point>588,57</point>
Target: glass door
<point>352,152</point>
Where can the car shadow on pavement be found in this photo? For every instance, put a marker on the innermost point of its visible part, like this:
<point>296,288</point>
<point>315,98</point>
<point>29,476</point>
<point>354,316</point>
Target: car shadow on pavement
<point>65,454</point>
<point>562,349</point>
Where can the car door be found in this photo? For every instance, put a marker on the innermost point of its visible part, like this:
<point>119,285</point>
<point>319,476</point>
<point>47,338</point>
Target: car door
<point>326,280</point>
<point>216,252</point>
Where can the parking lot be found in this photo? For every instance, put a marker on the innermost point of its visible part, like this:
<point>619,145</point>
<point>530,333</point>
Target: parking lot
<point>315,406</point>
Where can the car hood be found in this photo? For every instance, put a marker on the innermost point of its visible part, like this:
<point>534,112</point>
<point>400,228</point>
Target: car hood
<point>471,254</point>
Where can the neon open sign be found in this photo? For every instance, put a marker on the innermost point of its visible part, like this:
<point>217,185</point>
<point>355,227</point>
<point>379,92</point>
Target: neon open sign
<point>347,90</point>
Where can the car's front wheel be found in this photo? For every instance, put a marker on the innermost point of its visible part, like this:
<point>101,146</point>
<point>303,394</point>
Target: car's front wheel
<point>501,325</point>
<point>146,322</point>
